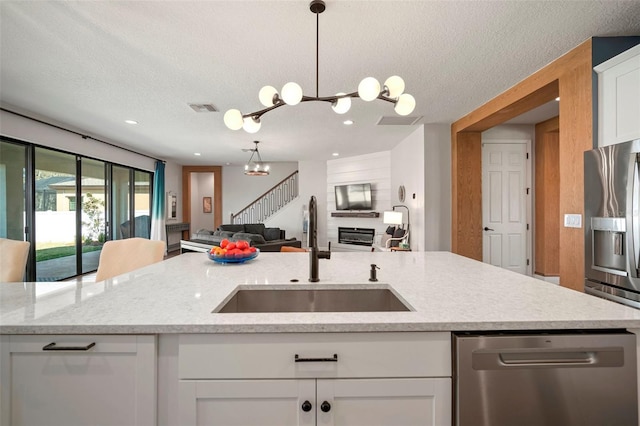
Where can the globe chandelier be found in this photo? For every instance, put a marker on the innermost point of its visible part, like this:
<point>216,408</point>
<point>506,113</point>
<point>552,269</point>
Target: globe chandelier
<point>291,93</point>
<point>255,167</point>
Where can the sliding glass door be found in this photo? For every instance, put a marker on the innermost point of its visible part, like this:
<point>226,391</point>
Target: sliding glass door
<point>67,206</point>
<point>56,201</point>
<point>13,166</point>
<point>142,204</point>
<point>93,212</point>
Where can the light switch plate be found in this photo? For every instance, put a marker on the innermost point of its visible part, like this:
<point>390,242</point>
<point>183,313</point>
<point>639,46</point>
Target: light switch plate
<point>573,221</point>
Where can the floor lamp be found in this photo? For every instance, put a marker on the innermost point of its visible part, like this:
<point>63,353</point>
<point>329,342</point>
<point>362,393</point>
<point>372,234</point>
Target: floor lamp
<point>408,234</point>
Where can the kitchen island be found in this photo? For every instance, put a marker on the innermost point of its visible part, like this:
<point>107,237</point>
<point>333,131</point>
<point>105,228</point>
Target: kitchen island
<point>195,358</point>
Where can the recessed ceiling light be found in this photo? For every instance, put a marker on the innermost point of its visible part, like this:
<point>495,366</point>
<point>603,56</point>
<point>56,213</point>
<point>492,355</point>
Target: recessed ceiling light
<point>335,154</point>
<point>558,99</point>
<point>348,122</point>
<point>131,121</point>
<point>197,154</point>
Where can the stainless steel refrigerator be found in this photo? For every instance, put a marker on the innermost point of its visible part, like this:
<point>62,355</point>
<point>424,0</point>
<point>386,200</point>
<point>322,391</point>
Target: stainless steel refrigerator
<point>612,222</point>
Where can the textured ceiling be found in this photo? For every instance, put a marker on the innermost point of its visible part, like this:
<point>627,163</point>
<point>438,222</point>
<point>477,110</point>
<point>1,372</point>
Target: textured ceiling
<point>94,64</point>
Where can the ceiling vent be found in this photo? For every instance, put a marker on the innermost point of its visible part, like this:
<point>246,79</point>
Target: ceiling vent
<point>398,120</point>
<point>203,108</point>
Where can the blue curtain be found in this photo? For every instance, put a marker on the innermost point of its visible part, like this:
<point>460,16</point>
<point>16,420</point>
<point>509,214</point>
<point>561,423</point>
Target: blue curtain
<point>158,207</point>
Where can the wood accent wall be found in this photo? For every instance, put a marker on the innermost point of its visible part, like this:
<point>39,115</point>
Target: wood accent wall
<point>570,77</point>
<point>466,218</point>
<point>217,192</point>
<point>547,199</point>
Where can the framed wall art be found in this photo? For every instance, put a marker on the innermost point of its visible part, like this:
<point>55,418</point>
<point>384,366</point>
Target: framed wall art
<point>206,205</point>
<point>172,206</point>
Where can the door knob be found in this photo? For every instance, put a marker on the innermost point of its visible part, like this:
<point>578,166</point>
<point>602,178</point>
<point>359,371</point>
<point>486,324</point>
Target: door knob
<point>325,407</point>
<point>486,228</point>
<point>306,406</point>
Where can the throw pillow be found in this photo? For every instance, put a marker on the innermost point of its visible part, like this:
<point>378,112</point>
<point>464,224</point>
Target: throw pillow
<point>253,239</point>
<point>231,227</point>
<point>399,233</point>
<point>254,228</point>
<point>271,234</point>
<point>223,234</point>
<point>204,231</point>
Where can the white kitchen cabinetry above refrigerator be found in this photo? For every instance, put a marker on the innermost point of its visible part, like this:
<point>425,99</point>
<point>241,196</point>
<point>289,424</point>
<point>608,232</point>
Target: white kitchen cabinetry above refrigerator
<point>619,98</point>
<point>77,380</point>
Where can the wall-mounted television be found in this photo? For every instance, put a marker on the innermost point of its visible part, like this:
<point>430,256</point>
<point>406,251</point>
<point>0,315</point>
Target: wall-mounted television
<point>353,197</point>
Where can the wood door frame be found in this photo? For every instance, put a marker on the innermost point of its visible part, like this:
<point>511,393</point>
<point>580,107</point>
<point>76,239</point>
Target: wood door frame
<point>528,183</point>
<point>217,192</point>
<point>569,77</point>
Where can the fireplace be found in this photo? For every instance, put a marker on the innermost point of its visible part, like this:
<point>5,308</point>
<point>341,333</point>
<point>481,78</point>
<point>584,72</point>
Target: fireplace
<point>356,236</point>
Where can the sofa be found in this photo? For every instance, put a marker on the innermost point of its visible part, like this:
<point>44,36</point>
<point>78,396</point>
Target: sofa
<point>258,235</point>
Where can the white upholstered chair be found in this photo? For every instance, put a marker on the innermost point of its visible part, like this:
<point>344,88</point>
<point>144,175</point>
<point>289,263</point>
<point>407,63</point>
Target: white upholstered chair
<point>122,256</point>
<point>13,260</point>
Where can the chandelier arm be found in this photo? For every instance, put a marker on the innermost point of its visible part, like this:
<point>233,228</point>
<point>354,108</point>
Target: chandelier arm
<point>388,99</point>
<point>331,99</point>
<point>258,114</point>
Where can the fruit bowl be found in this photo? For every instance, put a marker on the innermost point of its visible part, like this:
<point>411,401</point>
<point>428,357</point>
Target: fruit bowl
<point>235,259</point>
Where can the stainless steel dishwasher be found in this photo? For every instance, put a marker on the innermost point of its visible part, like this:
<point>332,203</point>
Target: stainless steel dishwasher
<point>557,378</point>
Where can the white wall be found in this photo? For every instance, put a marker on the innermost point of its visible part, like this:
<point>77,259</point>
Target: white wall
<point>239,190</point>
<point>510,131</point>
<point>407,169</point>
<point>369,168</point>
<point>201,186</point>
<point>27,130</point>
<point>437,187</point>
<point>173,185</point>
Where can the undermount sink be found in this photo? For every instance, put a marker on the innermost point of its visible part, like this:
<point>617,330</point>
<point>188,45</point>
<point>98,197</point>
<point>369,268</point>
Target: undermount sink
<point>312,300</point>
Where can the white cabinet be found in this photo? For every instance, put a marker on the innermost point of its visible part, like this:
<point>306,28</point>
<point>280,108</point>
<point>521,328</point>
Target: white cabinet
<point>307,402</point>
<point>315,379</point>
<point>77,380</point>
<point>619,98</point>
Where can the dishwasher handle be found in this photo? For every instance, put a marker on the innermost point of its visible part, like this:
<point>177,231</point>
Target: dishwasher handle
<point>498,359</point>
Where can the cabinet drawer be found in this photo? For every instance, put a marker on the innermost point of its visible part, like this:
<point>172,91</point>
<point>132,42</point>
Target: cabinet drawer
<point>262,356</point>
<point>64,380</point>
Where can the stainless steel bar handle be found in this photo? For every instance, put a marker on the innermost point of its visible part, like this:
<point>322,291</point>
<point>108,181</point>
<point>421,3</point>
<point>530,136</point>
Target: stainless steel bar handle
<point>530,359</point>
<point>334,359</point>
<point>633,254</point>
<point>497,359</point>
<point>53,347</point>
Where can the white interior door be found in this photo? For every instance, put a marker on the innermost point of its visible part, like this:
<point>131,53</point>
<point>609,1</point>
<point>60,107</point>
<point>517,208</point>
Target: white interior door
<point>505,196</point>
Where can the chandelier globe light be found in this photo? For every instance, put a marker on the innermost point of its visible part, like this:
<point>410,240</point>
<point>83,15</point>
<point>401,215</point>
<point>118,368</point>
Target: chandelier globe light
<point>369,89</point>
<point>256,167</point>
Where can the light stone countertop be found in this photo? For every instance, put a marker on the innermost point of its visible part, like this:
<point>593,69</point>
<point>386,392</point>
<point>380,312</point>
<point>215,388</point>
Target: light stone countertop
<point>447,292</point>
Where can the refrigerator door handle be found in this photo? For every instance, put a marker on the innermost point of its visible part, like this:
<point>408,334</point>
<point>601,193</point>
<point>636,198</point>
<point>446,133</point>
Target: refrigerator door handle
<point>632,255</point>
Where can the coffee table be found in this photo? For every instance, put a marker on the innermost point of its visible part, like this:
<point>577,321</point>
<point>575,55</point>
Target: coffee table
<point>195,245</point>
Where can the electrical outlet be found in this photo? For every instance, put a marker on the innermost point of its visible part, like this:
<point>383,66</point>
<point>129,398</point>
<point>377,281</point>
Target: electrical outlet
<point>573,221</point>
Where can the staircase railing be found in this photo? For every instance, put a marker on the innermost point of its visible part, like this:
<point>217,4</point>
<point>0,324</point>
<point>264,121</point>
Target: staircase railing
<point>270,202</point>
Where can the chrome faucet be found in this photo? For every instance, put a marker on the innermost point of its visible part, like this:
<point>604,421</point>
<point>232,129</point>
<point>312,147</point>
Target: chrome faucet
<point>314,253</point>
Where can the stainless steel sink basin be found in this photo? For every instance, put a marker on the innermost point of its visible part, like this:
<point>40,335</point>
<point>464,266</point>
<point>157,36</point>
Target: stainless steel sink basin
<point>312,300</point>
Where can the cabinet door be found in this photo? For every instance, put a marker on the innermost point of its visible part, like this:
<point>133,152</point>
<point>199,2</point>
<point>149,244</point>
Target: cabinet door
<point>618,100</point>
<point>247,402</point>
<point>110,382</point>
<point>384,402</point>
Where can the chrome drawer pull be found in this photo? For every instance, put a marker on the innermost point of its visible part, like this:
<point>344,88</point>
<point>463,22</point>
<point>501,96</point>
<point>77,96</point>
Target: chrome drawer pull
<point>52,347</point>
<point>334,359</point>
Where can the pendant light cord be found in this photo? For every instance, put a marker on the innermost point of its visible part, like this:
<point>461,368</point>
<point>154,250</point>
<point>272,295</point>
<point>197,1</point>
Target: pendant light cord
<point>317,54</point>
